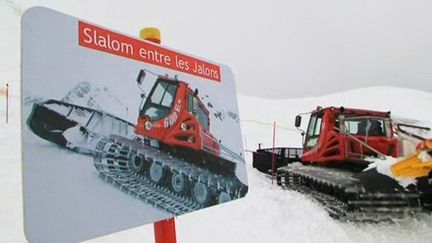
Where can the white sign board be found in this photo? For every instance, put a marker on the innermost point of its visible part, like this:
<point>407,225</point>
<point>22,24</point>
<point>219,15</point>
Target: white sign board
<point>120,132</point>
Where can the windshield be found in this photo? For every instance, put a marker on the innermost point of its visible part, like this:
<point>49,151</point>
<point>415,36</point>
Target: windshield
<point>365,126</point>
<point>160,100</point>
<point>313,131</point>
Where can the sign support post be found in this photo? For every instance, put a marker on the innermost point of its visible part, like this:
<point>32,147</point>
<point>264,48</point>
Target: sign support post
<point>164,231</point>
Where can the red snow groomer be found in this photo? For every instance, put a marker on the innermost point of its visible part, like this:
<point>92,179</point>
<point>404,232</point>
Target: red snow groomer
<point>340,135</point>
<point>336,136</point>
<point>346,165</point>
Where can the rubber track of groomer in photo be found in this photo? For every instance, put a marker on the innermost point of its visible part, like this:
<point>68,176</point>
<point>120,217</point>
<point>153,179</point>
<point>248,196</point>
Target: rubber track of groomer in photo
<point>126,163</point>
<point>125,160</point>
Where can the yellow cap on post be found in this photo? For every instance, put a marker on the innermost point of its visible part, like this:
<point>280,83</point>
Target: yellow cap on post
<point>150,34</point>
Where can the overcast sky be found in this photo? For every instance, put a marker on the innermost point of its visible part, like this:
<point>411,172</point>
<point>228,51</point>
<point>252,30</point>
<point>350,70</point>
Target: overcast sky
<point>284,49</point>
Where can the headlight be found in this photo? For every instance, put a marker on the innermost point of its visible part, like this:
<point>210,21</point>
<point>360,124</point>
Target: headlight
<point>183,127</point>
<point>148,125</point>
<point>191,139</point>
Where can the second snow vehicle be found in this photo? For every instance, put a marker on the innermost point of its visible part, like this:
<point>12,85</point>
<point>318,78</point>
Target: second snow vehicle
<point>339,146</point>
<point>168,158</point>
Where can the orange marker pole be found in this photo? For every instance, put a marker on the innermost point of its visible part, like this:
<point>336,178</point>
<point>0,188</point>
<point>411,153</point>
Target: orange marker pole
<point>273,152</point>
<point>164,231</point>
<point>7,102</point>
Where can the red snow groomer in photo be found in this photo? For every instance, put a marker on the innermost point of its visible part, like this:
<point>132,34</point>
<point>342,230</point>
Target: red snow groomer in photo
<point>169,150</point>
<point>175,116</point>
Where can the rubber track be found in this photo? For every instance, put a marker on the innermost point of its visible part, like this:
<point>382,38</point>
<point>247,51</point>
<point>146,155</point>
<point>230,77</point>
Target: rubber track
<point>366,207</point>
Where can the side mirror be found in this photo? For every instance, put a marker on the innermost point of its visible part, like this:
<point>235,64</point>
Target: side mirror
<point>297,121</point>
<point>141,76</point>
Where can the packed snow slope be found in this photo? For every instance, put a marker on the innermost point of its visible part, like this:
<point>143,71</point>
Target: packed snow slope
<point>267,214</point>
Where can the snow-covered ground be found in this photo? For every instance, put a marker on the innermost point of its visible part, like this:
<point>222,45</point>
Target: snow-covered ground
<point>267,213</point>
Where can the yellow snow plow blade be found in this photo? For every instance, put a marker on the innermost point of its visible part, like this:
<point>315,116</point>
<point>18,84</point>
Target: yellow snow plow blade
<point>417,165</point>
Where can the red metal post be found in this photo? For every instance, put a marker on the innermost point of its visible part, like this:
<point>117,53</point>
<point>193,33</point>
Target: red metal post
<point>164,231</point>
<point>7,102</point>
<point>273,152</point>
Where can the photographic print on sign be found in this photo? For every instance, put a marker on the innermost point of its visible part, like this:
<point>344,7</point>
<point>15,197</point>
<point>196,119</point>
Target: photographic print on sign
<point>120,132</point>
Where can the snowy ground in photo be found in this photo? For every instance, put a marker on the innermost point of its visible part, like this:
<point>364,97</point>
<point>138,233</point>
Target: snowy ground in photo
<point>71,189</point>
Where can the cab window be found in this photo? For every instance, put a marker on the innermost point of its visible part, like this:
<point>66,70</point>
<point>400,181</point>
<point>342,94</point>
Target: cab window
<point>160,101</point>
<point>365,126</point>
<point>313,131</point>
<point>196,109</point>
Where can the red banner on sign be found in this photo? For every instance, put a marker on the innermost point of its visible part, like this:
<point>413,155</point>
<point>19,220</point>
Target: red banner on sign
<point>107,41</point>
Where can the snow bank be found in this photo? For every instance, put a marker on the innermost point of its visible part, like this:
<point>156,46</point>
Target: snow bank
<point>384,167</point>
